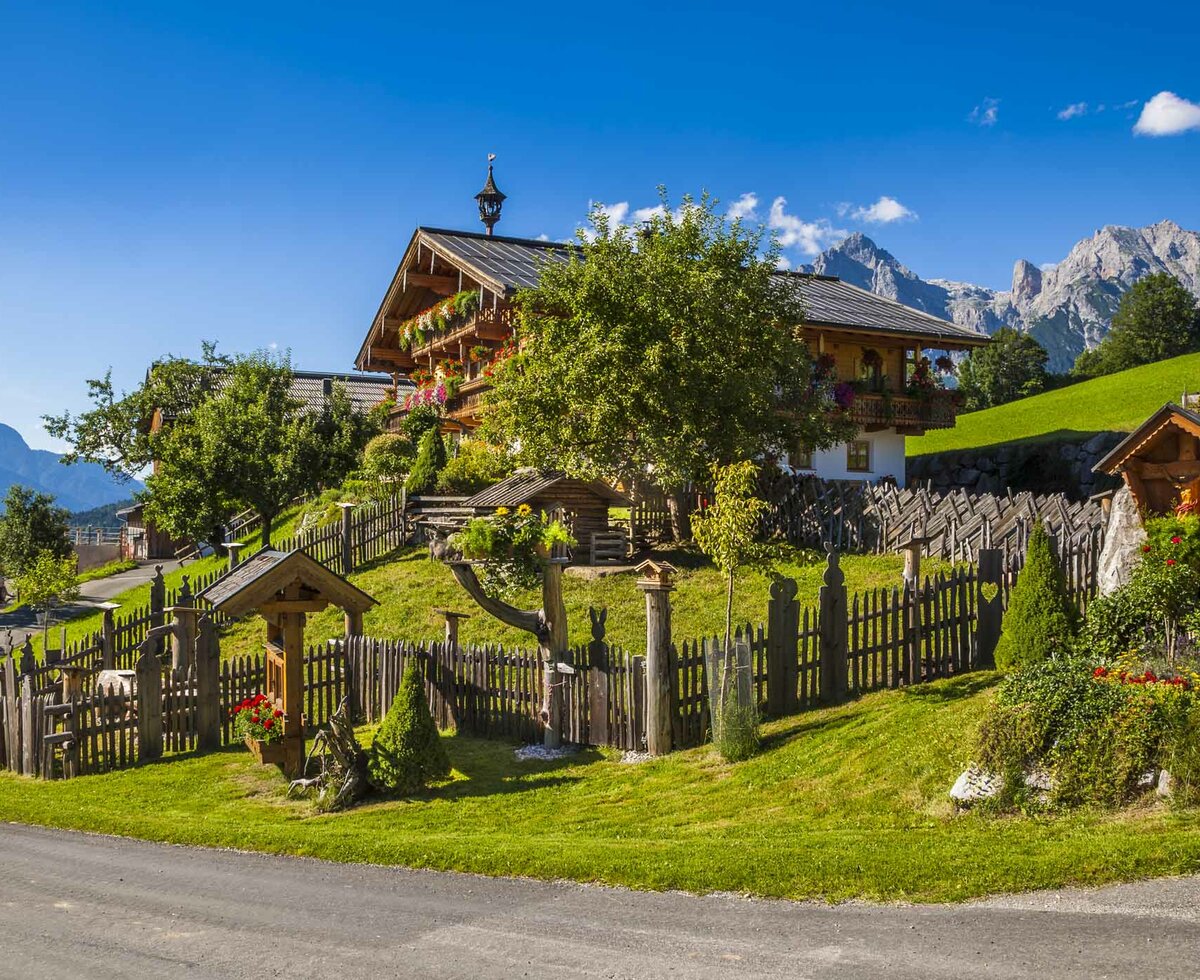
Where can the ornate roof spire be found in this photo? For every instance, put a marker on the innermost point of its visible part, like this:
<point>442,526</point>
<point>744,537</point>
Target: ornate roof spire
<point>490,199</point>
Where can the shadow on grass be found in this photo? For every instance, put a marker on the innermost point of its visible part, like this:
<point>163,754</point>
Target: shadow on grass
<point>954,689</point>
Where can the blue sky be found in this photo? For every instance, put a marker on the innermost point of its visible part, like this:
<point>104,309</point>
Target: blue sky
<point>250,173</point>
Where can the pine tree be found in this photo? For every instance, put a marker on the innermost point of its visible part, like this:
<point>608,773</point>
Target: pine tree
<point>407,751</point>
<point>431,458</point>
<point>1041,618</point>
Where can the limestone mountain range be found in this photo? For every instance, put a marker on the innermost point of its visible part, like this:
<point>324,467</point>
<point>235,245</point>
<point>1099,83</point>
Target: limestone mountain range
<point>1068,307</point>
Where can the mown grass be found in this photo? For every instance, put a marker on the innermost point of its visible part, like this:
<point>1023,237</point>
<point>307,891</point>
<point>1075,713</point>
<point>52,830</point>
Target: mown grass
<point>848,802</point>
<point>104,571</point>
<point>1116,403</point>
<point>410,586</point>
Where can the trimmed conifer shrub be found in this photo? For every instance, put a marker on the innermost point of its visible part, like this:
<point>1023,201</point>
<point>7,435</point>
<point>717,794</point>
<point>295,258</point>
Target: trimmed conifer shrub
<point>1041,619</point>
<point>407,751</point>
<point>431,458</point>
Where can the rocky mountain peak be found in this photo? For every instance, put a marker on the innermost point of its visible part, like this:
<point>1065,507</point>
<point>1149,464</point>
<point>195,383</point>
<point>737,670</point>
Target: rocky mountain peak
<point>1026,282</point>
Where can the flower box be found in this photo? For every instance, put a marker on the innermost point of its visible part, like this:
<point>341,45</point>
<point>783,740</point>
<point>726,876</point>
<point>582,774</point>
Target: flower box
<point>266,753</point>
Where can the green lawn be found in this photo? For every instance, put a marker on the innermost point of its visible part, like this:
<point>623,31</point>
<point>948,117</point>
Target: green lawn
<point>844,802</point>
<point>104,571</point>
<point>1117,403</point>
<point>409,586</point>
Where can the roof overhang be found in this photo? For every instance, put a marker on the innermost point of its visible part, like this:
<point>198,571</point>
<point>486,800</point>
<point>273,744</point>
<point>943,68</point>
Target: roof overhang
<point>1169,416</point>
<point>259,578</point>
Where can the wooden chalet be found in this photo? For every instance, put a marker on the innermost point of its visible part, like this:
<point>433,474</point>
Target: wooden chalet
<point>446,320</point>
<point>1160,460</point>
<point>584,505</point>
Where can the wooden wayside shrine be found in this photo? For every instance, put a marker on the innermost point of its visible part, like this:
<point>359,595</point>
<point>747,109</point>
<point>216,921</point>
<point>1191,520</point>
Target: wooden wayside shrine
<point>1160,460</point>
<point>284,587</point>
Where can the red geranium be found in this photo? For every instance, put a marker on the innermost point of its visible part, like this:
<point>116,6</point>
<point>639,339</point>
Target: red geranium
<point>1176,540</point>
<point>1145,548</point>
<point>1170,561</point>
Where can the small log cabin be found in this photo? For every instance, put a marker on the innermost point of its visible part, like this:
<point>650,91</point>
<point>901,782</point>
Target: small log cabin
<point>1160,460</point>
<point>446,320</point>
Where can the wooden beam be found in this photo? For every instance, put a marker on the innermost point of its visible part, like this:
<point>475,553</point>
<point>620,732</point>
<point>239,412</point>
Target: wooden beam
<point>442,285</point>
<point>293,606</point>
<point>1188,469</point>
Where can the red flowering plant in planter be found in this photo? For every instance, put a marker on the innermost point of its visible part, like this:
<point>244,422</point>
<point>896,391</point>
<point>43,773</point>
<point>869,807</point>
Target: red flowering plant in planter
<point>258,718</point>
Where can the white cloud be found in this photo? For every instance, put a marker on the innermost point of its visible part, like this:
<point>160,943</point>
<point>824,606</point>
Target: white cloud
<point>1167,114</point>
<point>744,207</point>
<point>645,214</point>
<point>986,113</point>
<point>783,263</point>
<point>882,212</point>
<point>1128,105</point>
<point>543,237</point>
<point>1075,109</point>
<point>616,216</point>
<point>808,236</point>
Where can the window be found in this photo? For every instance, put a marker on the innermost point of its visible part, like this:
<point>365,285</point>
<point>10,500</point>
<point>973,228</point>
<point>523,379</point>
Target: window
<point>800,457</point>
<point>858,456</point>
<point>911,357</point>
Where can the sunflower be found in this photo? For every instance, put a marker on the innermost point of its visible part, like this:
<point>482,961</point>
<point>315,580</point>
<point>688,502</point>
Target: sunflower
<point>501,511</point>
<point>524,510</point>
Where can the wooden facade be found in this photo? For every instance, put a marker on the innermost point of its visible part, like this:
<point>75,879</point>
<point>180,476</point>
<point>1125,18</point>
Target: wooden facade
<point>1160,461</point>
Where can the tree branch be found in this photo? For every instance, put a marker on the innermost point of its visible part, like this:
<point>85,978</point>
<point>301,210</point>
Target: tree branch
<point>532,621</point>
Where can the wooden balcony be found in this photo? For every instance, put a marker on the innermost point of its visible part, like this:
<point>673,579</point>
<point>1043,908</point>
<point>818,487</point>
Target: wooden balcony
<point>485,324</point>
<point>875,411</point>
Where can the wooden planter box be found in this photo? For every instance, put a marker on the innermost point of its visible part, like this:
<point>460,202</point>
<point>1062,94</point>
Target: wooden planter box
<point>267,753</point>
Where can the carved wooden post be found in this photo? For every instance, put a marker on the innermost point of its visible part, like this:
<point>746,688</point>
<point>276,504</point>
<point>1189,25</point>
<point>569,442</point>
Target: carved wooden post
<point>989,607</point>
<point>28,749</point>
<point>208,686</point>
<point>347,539</point>
<point>783,648</point>
<point>12,727</point>
<point>912,549</point>
<point>149,699</point>
<point>833,631</point>
<point>657,584</point>
<point>108,636</point>
<point>28,661</point>
<point>185,616</point>
<point>158,601</point>
<point>597,679</point>
<point>452,620</point>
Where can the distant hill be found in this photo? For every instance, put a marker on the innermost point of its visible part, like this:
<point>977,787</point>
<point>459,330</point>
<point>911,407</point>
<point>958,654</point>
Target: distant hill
<point>78,487</point>
<point>1114,403</point>
<point>1068,306</point>
<point>103,516</point>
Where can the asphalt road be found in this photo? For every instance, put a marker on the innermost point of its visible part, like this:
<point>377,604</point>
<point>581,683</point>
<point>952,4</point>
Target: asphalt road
<point>86,906</point>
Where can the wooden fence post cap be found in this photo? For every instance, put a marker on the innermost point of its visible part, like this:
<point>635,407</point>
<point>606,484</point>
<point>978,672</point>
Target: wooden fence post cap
<point>655,575</point>
<point>452,614</point>
<point>108,606</point>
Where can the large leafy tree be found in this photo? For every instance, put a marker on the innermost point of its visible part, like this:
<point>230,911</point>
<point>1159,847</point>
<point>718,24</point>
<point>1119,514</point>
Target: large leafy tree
<point>660,351</point>
<point>30,524</point>
<point>1012,366</point>
<point>223,434</point>
<point>1158,318</point>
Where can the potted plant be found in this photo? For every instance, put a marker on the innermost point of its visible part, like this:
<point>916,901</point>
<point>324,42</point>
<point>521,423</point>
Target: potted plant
<point>260,725</point>
<point>512,545</point>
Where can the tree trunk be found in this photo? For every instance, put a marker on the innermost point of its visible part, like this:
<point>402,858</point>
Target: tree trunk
<point>725,678</point>
<point>267,520</point>
<point>679,505</point>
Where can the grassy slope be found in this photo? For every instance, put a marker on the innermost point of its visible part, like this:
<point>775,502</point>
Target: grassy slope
<point>1118,403</point>
<point>844,802</point>
<point>410,586</point>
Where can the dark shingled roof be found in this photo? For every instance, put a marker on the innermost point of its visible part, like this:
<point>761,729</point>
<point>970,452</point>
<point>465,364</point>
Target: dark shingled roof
<point>524,485</point>
<point>514,263</point>
<point>365,391</point>
<point>247,572</point>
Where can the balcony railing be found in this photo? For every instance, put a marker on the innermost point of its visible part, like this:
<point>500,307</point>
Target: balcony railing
<point>935,411</point>
<point>485,324</point>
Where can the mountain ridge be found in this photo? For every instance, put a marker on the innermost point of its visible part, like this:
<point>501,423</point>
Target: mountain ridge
<point>1068,307</point>
<point>78,487</point>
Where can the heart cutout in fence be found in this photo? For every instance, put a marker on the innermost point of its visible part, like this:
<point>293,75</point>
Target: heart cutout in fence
<point>989,591</point>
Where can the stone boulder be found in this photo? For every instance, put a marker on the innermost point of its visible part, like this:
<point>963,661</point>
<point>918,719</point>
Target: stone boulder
<point>1124,537</point>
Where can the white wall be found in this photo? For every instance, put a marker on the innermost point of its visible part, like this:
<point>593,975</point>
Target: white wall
<point>887,459</point>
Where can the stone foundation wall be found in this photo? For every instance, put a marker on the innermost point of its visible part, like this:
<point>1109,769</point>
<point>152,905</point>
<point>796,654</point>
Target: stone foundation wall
<point>1063,466</point>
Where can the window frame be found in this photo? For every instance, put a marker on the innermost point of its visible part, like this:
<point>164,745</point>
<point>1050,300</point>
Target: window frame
<point>851,456</point>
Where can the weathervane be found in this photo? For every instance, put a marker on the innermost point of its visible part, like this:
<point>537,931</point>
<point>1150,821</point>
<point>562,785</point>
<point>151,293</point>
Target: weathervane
<point>490,199</point>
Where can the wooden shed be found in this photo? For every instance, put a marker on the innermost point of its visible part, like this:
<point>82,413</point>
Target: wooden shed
<point>584,502</point>
<point>1160,460</point>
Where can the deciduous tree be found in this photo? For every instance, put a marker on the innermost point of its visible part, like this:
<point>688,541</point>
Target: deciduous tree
<point>1012,366</point>
<point>31,524</point>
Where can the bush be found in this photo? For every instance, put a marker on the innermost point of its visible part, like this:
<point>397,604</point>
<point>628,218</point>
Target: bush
<point>431,457</point>
<point>407,751</point>
<point>1041,618</point>
<point>1176,537</point>
<point>737,737</point>
<point>476,466</point>
<point>388,457</point>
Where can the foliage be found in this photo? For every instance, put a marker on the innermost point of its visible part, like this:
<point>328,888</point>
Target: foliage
<point>256,717</point>
<point>431,457</point>
<point>438,317</point>
<point>1094,730</point>
<point>512,544</point>
<point>1041,618</point>
<point>48,581</point>
<point>117,432</point>
<point>478,464</point>
<point>340,435</point>
<point>1175,536</point>
<point>667,348</point>
<point>1158,318</point>
<point>1012,366</point>
<point>387,458</point>
<point>30,525</point>
<point>407,752</point>
<point>1115,403</point>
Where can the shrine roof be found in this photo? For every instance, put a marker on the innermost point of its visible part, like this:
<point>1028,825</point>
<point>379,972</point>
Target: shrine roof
<point>1167,416</point>
<point>259,577</point>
